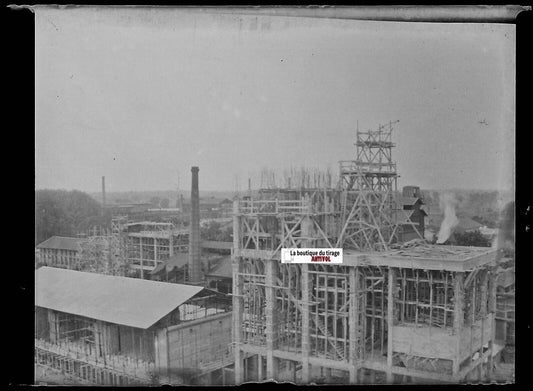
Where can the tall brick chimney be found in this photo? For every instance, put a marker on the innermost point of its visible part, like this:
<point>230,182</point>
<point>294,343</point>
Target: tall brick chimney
<point>195,273</point>
<point>103,190</point>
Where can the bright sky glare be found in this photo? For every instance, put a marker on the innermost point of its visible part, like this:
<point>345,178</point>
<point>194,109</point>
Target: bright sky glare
<point>141,96</point>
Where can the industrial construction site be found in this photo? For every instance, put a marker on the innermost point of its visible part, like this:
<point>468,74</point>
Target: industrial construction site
<point>399,309</point>
<point>322,266</point>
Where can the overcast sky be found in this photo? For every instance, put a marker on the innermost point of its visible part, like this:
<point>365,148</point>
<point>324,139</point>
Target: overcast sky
<point>141,96</point>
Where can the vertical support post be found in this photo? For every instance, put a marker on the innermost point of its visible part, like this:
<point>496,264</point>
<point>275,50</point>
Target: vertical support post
<point>483,313</point>
<point>260,373</point>
<point>171,244</point>
<point>141,256</point>
<point>492,314</point>
<point>270,319</point>
<point>353,323</point>
<point>155,251</point>
<point>390,322</point>
<point>237,296</point>
<point>167,351</point>
<point>458,319</point>
<point>306,297</point>
<point>98,338</point>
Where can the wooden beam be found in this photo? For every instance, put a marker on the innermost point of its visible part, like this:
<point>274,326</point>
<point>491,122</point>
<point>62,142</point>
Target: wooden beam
<point>270,319</point>
<point>306,298</point>
<point>458,319</point>
<point>390,322</point>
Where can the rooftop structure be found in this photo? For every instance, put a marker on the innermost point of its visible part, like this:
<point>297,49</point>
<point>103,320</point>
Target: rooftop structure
<point>61,243</point>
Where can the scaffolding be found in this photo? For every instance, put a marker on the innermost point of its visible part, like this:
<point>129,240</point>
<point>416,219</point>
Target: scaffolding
<point>103,249</point>
<point>151,244</point>
<point>369,184</point>
<point>391,311</point>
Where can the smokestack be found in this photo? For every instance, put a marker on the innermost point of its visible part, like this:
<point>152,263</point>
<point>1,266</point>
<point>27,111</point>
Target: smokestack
<point>103,190</point>
<point>194,236</point>
<point>181,203</point>
<point>447,202</point>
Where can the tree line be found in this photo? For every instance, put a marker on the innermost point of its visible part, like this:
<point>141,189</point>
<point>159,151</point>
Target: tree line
<point>66,213</point>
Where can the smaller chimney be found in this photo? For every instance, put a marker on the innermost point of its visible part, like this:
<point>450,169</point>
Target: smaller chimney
<point>195,271</point>
<point>181,204</point>
<point>103,190</point>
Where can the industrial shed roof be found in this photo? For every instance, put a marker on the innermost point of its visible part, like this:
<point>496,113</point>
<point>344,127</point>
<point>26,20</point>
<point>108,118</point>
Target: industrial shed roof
<point>62,243</point>
<point>126,301</point>
<point>223,269</point>
<point>178,260</point>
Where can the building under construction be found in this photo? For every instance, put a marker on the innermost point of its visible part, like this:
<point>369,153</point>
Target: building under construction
<point>393,311</point>
<point>149,244</point>
<point>110,330</point>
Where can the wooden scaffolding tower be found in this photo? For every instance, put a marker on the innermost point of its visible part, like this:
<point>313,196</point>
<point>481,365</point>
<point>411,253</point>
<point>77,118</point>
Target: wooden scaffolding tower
<point>369,184</point>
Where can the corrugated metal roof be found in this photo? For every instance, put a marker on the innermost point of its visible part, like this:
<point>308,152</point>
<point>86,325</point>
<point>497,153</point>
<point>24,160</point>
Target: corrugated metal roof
<point>62,243</point>
<point>178,260</point>
<point>126,301</point>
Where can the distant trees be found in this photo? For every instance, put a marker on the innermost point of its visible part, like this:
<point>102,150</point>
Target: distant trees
<point>507,222</point>
<point>62,212</point>
<point>474,238</point>
<point>159,202</point>
<point>489,220</point>
<point>214,231</point>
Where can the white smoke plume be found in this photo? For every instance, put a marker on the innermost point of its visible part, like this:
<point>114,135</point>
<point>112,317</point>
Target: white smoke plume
<point>447,203</point>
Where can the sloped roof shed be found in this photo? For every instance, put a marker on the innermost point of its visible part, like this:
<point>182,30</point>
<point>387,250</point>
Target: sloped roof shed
<point>62,243</point>
<point>121,300</point>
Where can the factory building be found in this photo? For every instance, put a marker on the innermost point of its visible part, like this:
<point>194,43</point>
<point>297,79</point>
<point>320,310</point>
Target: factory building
<point>110,330</point>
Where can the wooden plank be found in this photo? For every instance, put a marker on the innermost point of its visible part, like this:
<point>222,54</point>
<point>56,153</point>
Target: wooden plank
<point>306,297</point>
<point>390,316</point>
<point>270,319</point>
<point>458,319</point>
